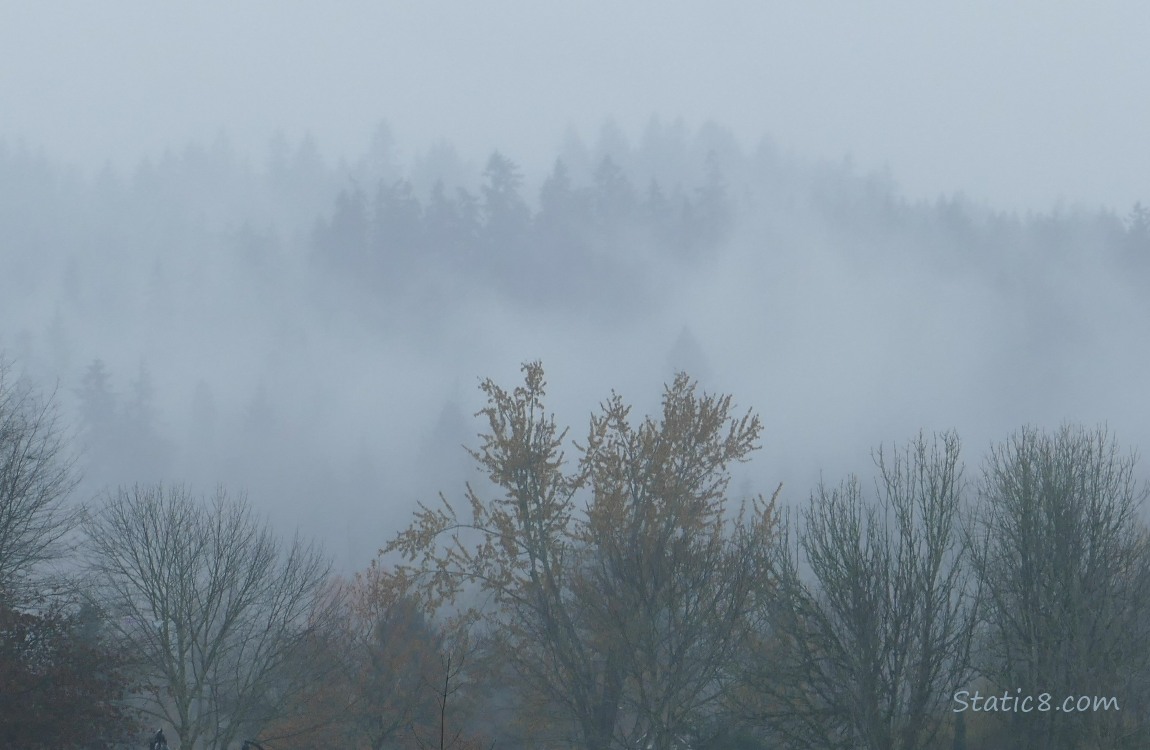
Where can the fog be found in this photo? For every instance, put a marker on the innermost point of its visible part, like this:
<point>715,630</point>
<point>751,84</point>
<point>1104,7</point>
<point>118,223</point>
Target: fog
<point>875,220</point>
<point>1019,106</point>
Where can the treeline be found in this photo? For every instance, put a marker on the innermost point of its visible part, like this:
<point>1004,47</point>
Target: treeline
<point>627,601</point>
<point>618,597</point>
<point>147,606</point>
<point>579,237</point>
<point>605,214</point>
<point>124,430</point>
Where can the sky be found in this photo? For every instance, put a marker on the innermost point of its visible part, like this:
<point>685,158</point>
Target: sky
<point>1022,106</point>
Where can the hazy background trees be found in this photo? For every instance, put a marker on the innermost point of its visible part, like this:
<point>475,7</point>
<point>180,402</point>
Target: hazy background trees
<point>620,600</point>
<point>295,326</point>
<point>205,256</point>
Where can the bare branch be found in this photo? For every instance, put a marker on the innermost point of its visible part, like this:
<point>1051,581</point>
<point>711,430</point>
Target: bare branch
<point>36,478</point>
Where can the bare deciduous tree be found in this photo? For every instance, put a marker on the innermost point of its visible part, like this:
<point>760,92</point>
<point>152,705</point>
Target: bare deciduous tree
<point>867,651</point>
<point>209,600</point>
<point>1064,558</point>
<point>448,683</point>
<point>35,480</point>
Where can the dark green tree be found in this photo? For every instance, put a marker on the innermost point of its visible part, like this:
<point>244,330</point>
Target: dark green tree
<point>613,200</point>
<point>62,684</point>
<point>397,227</point>
<point>561,232</point>
<point>665,225</point>
<point>148,450</point>
<point>563,211</point>
<point>712,213</point>
<point>449,229</point>
<point>97,401</point>
<point>1138,231</point>
<point>344,240</point>
<point>505,214</point>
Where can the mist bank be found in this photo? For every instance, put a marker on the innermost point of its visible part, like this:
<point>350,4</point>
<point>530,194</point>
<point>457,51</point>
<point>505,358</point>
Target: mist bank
<point>315,331</point>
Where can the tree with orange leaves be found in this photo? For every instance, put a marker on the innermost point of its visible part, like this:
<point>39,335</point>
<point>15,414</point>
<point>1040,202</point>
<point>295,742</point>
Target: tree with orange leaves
<point>371,674</point>
<point>621,590</point>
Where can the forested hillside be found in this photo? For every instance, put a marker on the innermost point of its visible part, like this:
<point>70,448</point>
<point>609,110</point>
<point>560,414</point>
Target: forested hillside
<point>220,315</point>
